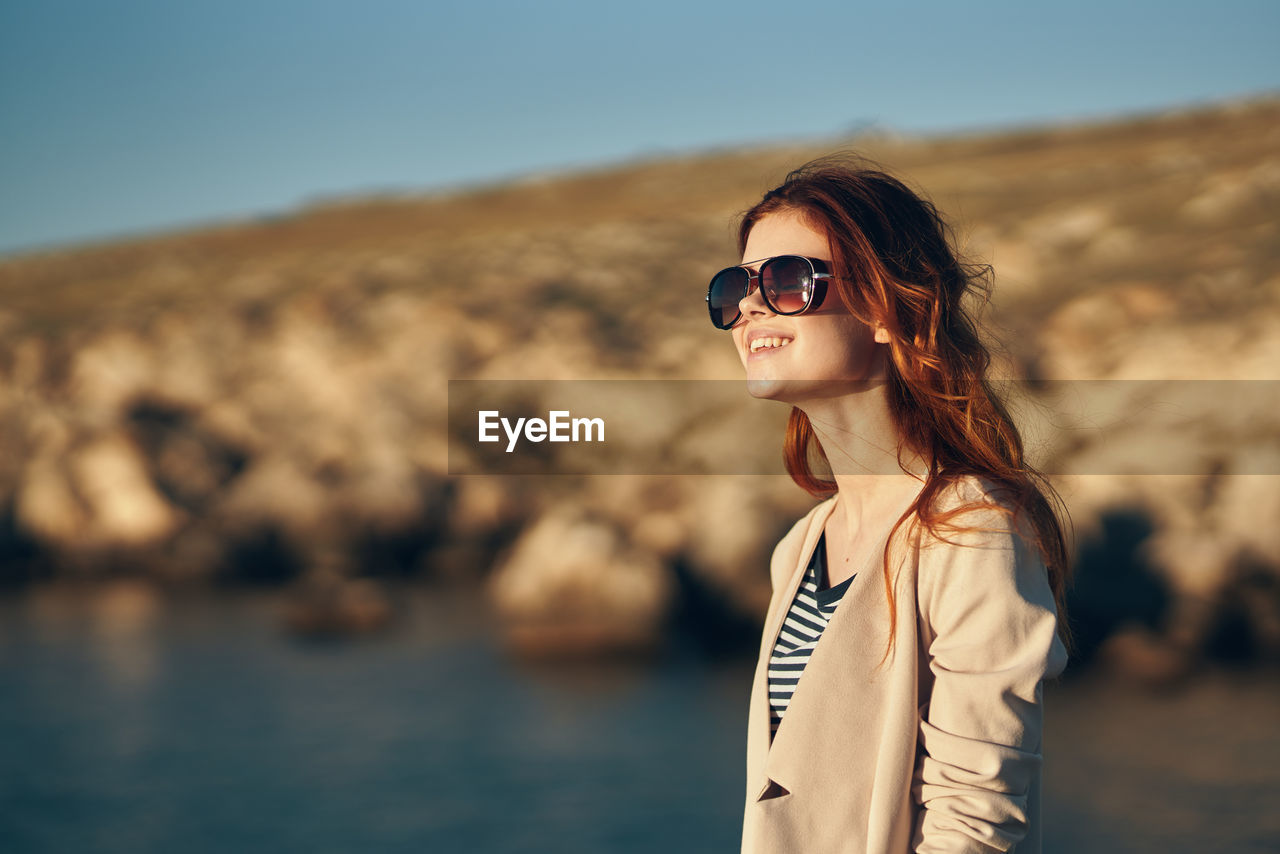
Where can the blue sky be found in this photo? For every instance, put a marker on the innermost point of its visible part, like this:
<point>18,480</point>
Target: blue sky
<point>121,118</point>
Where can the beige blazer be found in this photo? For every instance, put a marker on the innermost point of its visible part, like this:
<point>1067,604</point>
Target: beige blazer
<point>937,751</point>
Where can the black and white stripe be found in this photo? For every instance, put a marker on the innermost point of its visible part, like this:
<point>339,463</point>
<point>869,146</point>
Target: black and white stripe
<point>809,614</point>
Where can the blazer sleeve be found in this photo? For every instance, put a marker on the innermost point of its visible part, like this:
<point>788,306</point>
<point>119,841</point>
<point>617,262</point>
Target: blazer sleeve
<point>989,624</point>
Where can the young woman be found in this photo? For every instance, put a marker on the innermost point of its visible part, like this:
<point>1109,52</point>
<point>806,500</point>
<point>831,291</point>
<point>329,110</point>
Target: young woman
<point>915,613</point>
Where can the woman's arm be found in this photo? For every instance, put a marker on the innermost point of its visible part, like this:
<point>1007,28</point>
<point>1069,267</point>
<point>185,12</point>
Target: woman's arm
<point>988,622</point>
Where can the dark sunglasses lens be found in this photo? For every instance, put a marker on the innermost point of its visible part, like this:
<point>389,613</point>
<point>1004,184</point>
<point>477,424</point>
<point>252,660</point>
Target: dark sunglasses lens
<point>788,283</point>
<point>727,290</point>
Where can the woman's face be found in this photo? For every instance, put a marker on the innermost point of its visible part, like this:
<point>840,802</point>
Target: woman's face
<point>807,356</point>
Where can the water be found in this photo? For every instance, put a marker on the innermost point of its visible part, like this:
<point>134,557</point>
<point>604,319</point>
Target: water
<point>201,727</point>
<point>212,731</point>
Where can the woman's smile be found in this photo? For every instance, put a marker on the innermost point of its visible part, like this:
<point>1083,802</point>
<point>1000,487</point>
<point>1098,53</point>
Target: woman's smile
<point>764,342</point>
<point>768,344</point>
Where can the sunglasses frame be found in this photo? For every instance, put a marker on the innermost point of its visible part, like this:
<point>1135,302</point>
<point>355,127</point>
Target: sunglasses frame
<point>819,272</point>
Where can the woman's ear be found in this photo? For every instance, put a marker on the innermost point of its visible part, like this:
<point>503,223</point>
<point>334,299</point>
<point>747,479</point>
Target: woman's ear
<point>882,335</point>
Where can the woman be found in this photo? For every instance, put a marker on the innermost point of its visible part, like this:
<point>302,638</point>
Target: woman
<point>932,574</point>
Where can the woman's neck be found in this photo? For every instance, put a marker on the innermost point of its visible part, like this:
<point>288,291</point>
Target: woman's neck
<point>861,443</point>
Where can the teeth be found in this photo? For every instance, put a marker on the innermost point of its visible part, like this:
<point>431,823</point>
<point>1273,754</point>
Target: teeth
<point>768,343</point>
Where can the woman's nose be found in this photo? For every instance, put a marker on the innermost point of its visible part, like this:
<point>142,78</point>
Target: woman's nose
<point>753,304</point>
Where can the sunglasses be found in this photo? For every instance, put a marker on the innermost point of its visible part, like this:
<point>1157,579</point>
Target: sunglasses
<point>790,284</point>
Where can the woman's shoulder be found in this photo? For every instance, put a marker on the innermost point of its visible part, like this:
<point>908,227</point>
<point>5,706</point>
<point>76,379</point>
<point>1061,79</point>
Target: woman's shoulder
<point>978,510</point>
<point>967,489</point>
<point>986,544</point>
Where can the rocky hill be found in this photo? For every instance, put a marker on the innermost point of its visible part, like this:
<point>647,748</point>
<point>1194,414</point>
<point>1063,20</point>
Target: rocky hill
<point>266,401</point>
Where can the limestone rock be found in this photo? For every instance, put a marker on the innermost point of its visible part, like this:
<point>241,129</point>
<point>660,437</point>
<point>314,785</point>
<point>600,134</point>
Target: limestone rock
<point>572,585</point>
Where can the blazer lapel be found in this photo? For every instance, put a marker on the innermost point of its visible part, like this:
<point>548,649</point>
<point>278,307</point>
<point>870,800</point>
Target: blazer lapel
<point>842,664</point>
<point>760,712</point>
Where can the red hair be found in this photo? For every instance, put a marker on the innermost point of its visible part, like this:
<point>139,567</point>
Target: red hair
<point>894,253</point>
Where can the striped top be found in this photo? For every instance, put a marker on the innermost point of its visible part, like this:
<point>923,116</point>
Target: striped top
<point>810,612</point>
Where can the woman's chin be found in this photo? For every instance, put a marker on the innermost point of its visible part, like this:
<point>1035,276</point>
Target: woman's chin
<point>786,390</point>
<point>765,388</point>
<point>799,390</point>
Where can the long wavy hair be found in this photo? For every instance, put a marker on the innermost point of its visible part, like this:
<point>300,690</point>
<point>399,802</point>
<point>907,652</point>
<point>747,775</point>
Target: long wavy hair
<point>898,266</point>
